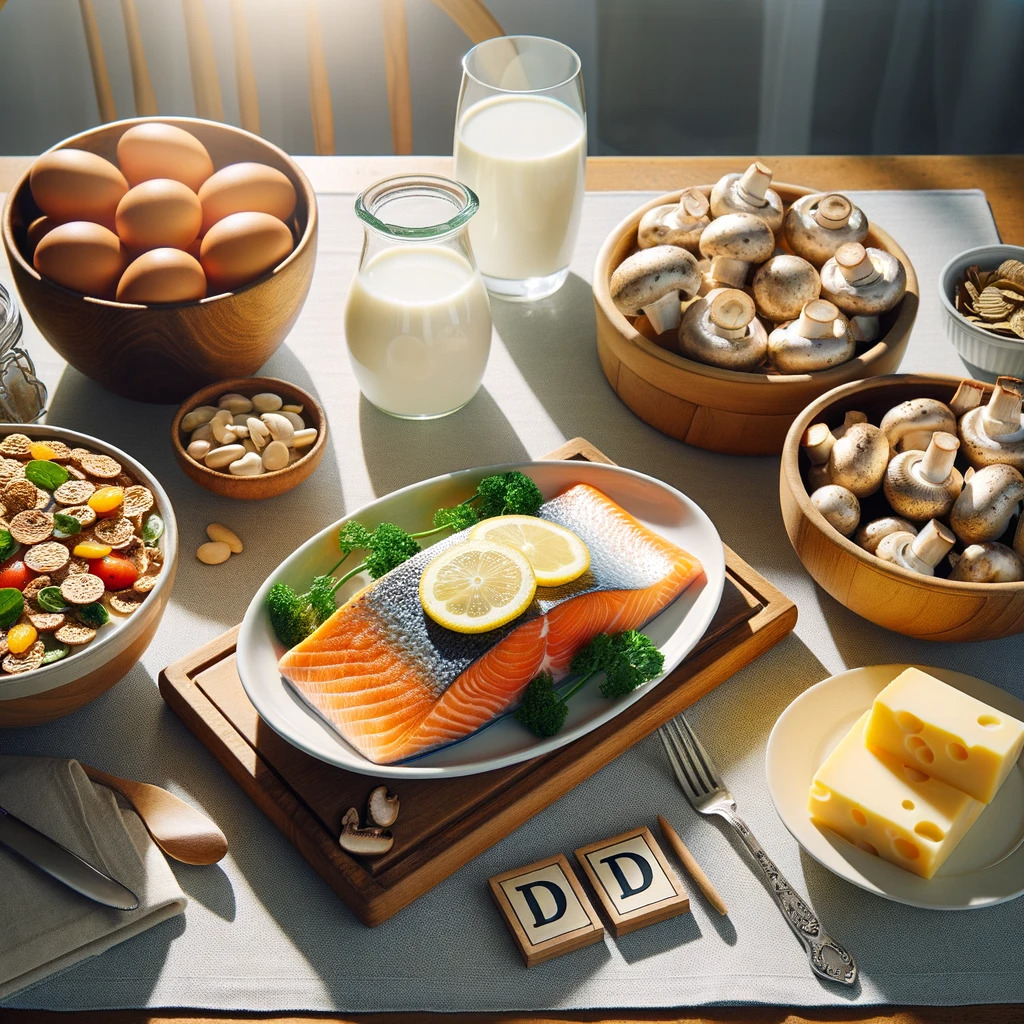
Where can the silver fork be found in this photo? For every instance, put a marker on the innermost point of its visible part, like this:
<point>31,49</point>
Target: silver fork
<point>699,780</point>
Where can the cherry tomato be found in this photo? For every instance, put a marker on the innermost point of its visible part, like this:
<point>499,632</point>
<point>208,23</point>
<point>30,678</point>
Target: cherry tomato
<point>15,573</point>
<point>116,571</point>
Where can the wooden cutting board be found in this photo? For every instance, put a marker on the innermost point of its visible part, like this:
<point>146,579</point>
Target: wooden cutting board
<point>443,824</point>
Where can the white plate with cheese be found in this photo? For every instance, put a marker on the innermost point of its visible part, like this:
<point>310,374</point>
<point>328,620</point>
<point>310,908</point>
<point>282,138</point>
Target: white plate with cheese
<point>988,865</point>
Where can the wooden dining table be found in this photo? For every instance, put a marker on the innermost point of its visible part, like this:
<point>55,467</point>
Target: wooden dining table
<point>998,176</point>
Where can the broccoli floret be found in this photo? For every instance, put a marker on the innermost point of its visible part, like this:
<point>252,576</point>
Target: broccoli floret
<point>542,711</point>
<point>291,616</point>
<point>321,597</point>
<point>506,494</point>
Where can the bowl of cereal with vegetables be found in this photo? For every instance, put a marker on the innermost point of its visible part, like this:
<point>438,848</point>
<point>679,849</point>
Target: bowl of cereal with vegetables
<point>88,551</point>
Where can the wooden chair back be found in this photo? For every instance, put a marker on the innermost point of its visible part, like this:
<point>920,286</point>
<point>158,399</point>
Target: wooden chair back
<point>471,16</point>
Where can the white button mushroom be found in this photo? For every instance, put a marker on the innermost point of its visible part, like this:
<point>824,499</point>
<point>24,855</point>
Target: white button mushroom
<point>924,484</point>
<point>911,424</point>
<point>839,506</point>
<point>817,225</point>
<point>921,553</point>
<point>870,535</point>
<point>851,417</point>
<point>748,193</point>
<point>858,459</point>
<point>969,395</point>
<point>820,337</point>
<point>651,281</point>
<point>988,563</point>
<point>679,223</point>
<point>783,286</point>
<point>816,443</point>
<point>994,433</point>
<point>733,243</point>
<point>722,330</point>
<point>863,282</point>
<point>987,503</point>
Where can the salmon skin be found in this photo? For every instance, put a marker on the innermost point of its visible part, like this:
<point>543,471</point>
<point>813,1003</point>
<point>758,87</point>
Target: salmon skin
<point>396,685</point>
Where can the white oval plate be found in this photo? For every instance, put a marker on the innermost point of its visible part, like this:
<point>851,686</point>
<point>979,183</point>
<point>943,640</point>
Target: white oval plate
<point>988,865</point>
<point>675,631</point>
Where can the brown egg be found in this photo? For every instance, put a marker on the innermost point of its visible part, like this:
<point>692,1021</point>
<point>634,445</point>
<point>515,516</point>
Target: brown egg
<point>156,213</point>
<point>246,186</point>
<point>72,184</point>
<point>162,275</point>
<point>157,150</point>
<point>241,247</point>
<point>82,255</point>
<point>38,230</point>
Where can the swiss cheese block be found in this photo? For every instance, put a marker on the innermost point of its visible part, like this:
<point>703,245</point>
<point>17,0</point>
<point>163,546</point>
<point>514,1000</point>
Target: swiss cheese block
<point>946,733</point>
<point>888,808</point>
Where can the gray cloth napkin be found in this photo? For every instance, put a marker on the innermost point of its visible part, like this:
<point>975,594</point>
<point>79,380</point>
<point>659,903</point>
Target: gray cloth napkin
<point>45,927</point>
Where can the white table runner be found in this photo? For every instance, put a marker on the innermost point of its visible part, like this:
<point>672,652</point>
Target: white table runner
<point>262,932</point>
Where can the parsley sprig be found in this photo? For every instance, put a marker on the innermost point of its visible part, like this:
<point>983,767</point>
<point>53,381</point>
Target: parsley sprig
<point>627,659</point>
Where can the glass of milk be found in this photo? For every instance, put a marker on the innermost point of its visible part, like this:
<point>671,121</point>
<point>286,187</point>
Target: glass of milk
<point>521,146</point>
<point>417,318</point>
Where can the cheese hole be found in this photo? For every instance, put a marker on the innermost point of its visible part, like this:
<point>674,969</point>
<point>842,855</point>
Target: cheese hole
<point>863,844</point>
<point>908,722</point>
<point>908,805</point>
<point>859,817</point>
<point>957,751</point>
<point>929,830</point>
<point>819,790</point>
<point>988,721</point>
<point>913,774</point>
<point>920,749</point>
<point>906,849</point>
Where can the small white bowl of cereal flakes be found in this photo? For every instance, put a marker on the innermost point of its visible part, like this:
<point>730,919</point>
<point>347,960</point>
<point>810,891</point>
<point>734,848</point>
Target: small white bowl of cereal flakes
<point>88,552</point>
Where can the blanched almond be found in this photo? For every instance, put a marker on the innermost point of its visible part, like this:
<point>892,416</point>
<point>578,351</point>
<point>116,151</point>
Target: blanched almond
<point>219,532</point>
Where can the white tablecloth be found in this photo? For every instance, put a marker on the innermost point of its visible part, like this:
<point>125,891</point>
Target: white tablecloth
<point>262,932</point>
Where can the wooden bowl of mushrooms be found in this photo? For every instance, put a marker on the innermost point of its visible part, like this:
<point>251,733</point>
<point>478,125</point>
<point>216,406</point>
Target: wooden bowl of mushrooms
<point>723,310</point>
<point>902,497</point>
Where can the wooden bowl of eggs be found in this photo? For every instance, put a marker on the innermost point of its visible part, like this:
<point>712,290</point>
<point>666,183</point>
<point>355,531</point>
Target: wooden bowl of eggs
<point>765,261</point>
<point>249,438</point>
<point>942,519</point>
<point>157,255</point>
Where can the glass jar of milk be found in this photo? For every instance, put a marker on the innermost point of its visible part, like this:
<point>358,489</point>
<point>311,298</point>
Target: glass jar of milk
<point>417,320</point>
<point>521,145</point>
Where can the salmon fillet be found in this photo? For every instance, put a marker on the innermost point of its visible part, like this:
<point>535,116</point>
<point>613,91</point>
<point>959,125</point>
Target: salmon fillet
<point>395,684</point>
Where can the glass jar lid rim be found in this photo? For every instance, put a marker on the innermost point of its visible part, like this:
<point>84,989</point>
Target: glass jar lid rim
<point>440,187</point>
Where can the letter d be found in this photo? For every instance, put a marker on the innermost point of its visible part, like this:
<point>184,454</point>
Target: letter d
<point>535,908</point>
<point>646,875</point>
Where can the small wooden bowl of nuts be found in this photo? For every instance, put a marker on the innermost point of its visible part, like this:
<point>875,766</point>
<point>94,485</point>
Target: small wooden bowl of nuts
<point>252,437</point>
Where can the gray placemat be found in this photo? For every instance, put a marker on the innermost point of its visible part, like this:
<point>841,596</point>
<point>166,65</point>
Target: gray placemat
<point>262,932</point>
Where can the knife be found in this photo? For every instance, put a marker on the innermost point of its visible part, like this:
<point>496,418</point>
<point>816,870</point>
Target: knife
<point>60,863</point>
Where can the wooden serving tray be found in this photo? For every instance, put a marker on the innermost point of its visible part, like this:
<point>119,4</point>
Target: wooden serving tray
<point>444,824</point>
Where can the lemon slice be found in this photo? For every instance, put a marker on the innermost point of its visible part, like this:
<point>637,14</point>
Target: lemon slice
<point>476,586</point>
<point>557,555</point>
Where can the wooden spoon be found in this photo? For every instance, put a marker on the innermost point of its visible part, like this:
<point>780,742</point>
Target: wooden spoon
<point>178,829</point>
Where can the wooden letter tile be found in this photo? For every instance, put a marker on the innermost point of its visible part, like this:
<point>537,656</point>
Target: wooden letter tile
<point>633,880</point>
<point>546,909</point>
